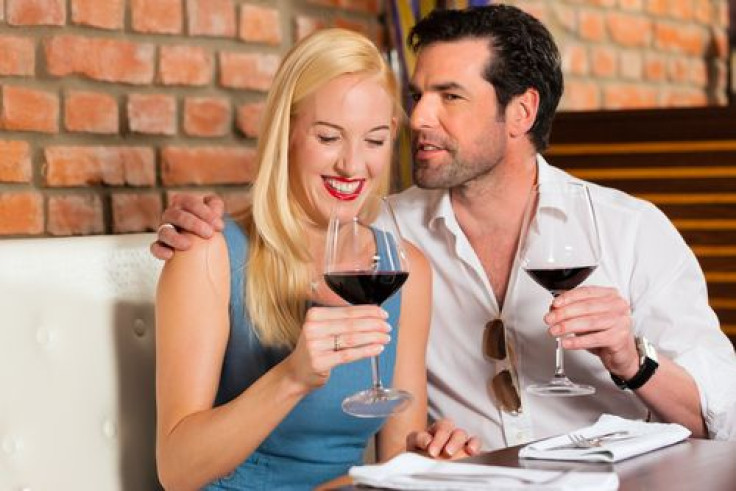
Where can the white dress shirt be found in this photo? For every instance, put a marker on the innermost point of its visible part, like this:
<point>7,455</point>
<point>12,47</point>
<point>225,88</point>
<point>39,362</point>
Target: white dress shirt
<point>643,257</point>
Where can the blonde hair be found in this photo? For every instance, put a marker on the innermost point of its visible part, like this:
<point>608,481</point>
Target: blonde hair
<point>279,272</point>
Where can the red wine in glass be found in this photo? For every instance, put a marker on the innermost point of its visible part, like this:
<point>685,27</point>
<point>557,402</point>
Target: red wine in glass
<point>365,263</point>
<point>559,249</point>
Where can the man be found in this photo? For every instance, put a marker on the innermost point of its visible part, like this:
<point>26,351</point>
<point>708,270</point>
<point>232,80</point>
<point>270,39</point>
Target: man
<point>486,86</point>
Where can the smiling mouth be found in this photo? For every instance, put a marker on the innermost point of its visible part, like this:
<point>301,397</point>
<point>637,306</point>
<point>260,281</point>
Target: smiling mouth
<point>343,189</point>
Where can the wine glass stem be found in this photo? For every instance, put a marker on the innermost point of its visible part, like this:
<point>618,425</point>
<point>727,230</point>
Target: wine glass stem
<point>376,374</point>
<point>559,360</point>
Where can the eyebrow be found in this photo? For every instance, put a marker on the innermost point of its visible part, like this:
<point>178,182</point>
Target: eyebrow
<point>439,87</point>
<point>338,127</point>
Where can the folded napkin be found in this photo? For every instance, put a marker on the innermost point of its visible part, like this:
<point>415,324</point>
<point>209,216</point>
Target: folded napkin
<point>412,471</point>
<point>628,439</point>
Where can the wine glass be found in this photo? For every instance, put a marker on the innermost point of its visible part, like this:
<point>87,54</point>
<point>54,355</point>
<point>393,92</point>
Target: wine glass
<point>559,249</point>
<point>365,263</point>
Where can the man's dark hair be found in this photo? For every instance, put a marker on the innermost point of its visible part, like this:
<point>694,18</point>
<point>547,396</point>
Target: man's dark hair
<point>523,54</point>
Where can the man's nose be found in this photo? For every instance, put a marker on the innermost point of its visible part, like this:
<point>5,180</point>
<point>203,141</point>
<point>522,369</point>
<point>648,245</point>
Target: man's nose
<point>424,114</point>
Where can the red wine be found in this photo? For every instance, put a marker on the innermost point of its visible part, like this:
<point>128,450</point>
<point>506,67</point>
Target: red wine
<point>366,287</point>
<point>558,280</point>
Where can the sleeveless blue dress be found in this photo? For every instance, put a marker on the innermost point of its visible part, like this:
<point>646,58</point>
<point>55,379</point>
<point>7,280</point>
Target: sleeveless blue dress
<point>316,441</point>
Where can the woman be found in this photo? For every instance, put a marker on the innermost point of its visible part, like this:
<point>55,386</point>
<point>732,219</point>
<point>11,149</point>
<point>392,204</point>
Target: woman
<point>249,376</point>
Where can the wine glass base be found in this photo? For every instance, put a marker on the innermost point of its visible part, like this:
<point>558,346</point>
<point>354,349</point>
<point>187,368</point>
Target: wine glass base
<point>561,387</point>
<point>377,403</point>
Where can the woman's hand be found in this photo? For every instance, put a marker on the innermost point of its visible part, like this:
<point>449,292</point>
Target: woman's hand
<point>333,336</point>
<point>443,440</point>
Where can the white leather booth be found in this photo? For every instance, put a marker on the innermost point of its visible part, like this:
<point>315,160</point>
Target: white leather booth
<point>77,406</point>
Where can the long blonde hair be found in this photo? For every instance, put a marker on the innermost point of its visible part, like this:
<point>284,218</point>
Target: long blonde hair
<point>279,272</point>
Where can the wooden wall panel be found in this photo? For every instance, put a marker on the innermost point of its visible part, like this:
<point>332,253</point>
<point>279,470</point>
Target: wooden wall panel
<point>682,160</point>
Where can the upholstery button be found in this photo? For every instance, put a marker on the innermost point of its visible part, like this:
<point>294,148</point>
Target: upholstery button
<point>44,336</point>
<point>109,429</point>
<point>139,327</point>
<point>10,445</point>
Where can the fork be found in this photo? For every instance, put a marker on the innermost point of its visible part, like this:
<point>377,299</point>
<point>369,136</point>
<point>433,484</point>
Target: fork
<point>581,441</point>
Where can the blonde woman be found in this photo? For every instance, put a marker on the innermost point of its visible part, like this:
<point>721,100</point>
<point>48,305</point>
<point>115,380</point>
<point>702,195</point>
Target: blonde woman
<point>248,377</point>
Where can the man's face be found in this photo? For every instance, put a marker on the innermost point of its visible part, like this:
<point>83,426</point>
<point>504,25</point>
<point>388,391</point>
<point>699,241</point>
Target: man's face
<point>457,131</point>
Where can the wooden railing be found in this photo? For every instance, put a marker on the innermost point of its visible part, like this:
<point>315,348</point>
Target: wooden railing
<point>682,160</point>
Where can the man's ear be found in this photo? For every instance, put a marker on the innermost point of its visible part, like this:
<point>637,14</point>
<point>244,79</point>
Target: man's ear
<point>521,112</point>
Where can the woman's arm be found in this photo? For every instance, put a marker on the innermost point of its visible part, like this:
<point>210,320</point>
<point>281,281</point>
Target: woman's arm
<point>197,443</point>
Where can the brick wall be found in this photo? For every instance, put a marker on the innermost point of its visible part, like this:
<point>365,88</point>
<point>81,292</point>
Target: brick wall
<point>108,107</point>
<point>627,54</point>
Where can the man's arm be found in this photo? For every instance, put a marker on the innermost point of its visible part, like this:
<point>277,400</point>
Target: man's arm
<point>201,216</point>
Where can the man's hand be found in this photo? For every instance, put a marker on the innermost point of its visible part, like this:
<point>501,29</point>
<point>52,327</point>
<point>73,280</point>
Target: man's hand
<point>200,216</point>
<point>442,440</point>
<point>600,320</point>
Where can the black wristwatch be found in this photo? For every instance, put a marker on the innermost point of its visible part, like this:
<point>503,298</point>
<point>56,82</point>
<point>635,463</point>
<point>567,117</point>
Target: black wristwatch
<point>647,366</point>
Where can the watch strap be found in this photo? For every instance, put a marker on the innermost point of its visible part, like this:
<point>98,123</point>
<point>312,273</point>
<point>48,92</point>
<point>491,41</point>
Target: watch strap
<point>647,367</point>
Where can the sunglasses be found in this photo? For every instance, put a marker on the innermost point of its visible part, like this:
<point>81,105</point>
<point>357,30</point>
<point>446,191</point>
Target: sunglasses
<point>502,384</point>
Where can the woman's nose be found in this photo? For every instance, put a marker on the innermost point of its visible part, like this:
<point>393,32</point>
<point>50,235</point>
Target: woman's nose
<point>350,160</point>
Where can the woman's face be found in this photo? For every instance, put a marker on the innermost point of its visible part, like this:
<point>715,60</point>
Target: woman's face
<point>340,143</point>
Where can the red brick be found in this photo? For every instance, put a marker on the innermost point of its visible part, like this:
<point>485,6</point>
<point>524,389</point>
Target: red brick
<point>304,26</point>
<point>21,213</point>
<point>36,12</point>
<point>107,14</point>
<point>631,5</point>
<point>581,96</point>
<point>681,9</point>
<point>658,8</point>
<point>75,214</point>
<point>361,26</point>
<point>260,25</point>
<point>632,65</point>
<point>699,73</point>
<point>157,16</point>
<point>535,8</point>
<point>15,161</point>
<point>236,201</point>
<point>211,17</point>
<point>185,65</point>
<point>592,25</point>
<point>108,60</point>
<point>29,110</point>
<point>604,61</point>
<point>253,71</point>
<point>566,15</point>
<point>628,96</point>
<point>249,118</point>
<point>108,165</point>
<point>720,43</point>
<point>629,30</point>
<point>678,38</point>
<point>367,6</point>
<point>91,112</point>
<point>678,69</point>
<point>135,212</point>
<point>17,56</point>
<point>655,68</point>
<point>703,11</point>
<point>206,116</point>
<point>153,114</point>
<point>683,98</point>
<point>207,165</point>
<point>575,59</point>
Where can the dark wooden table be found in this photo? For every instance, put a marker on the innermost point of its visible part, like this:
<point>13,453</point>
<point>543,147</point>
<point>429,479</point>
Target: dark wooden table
<point>690,465</point>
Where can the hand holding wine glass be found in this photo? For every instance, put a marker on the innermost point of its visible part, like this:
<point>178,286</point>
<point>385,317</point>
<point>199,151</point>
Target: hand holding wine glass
<point>559,249</point>
<point>365,263</point>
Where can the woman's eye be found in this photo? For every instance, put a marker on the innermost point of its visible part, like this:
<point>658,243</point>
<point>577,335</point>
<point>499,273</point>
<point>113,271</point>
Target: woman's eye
<point>327,138</point>
<point>376,143</point>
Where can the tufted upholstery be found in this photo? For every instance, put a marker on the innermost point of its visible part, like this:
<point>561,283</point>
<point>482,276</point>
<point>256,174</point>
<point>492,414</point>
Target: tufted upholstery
<point>77,408</point>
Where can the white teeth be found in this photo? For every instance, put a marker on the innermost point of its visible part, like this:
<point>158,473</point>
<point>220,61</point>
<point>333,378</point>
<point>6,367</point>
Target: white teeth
<point>429,147</point>
<point>342,186</point>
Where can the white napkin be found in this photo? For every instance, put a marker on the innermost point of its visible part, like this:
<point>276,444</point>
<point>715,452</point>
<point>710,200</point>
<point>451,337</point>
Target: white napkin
<point>639,437</point>
<point>412,471</point>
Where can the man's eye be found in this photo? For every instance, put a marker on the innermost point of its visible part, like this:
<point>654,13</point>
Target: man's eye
<point>415,97</point>
<point>451,97</point>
